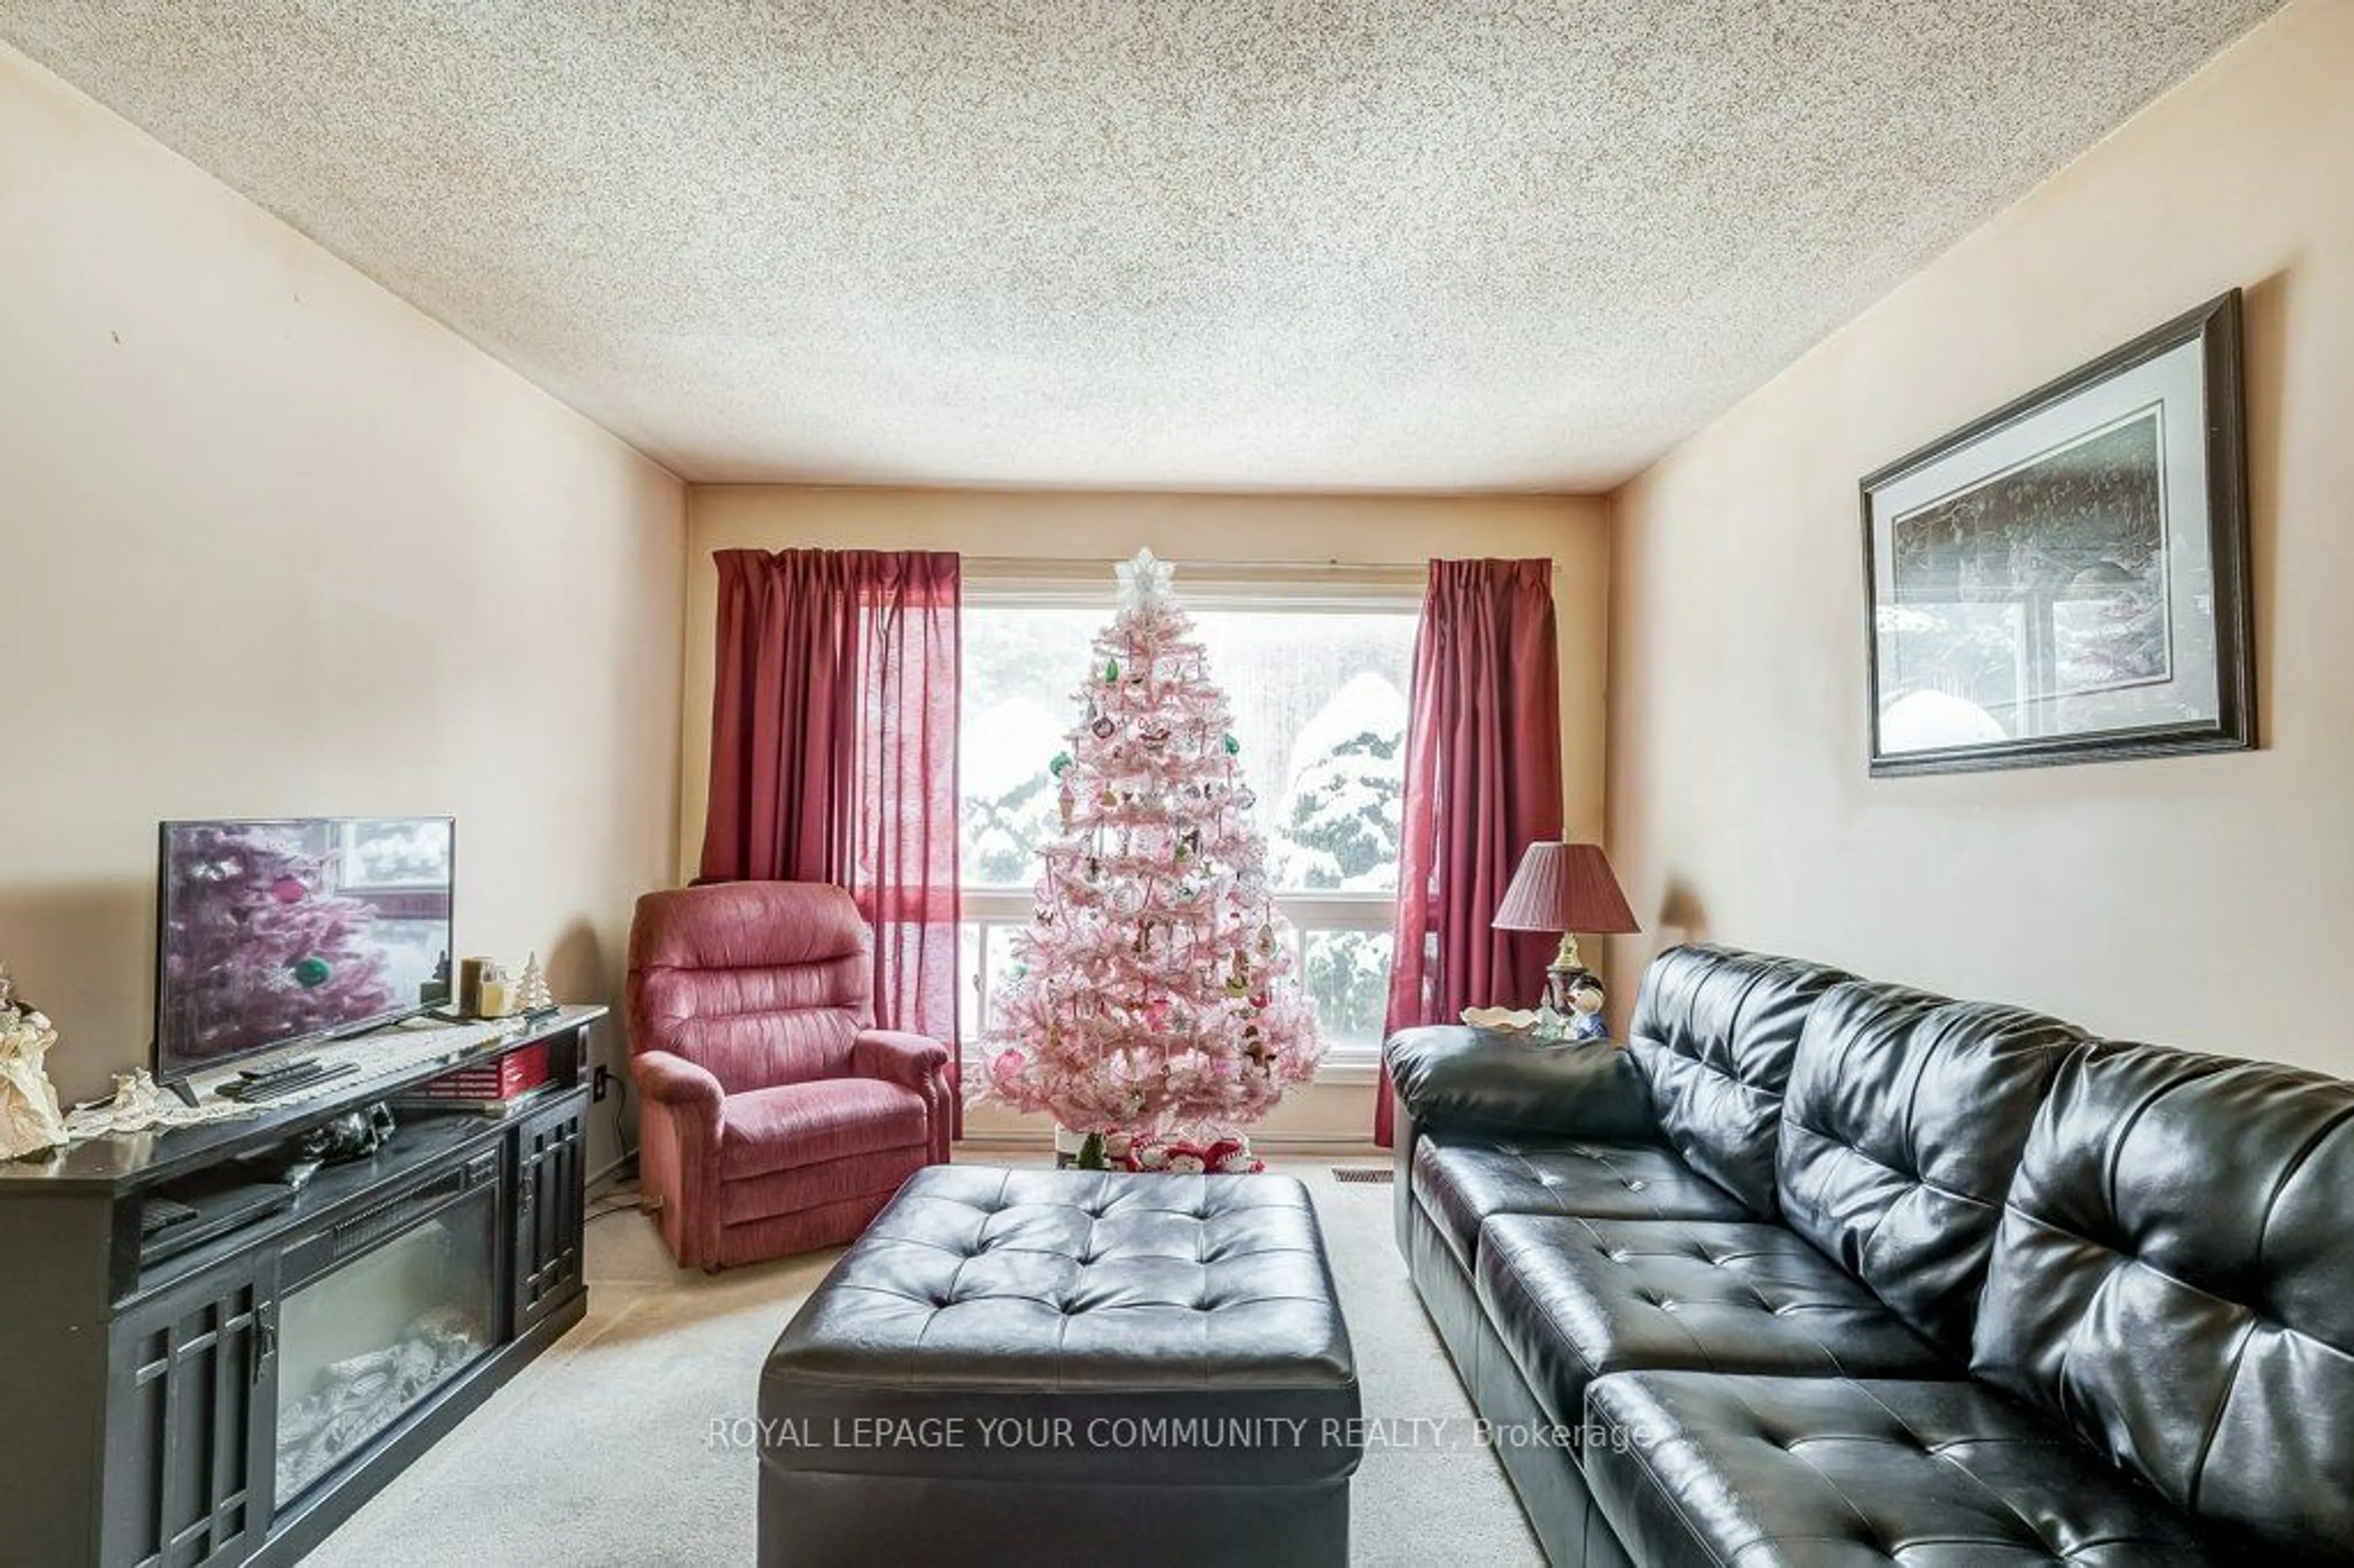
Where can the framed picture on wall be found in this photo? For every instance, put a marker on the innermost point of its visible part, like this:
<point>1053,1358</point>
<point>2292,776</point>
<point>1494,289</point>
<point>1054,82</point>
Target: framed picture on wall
<point>2066,579</point>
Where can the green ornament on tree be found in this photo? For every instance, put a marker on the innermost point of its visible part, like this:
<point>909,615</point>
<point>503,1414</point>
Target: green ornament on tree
<point>312,971</point>
<point>1234,747</point>
<point>1112,672</point>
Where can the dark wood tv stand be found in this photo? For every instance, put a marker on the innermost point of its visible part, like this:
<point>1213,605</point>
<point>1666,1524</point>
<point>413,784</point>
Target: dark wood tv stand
<point>145,1400</point>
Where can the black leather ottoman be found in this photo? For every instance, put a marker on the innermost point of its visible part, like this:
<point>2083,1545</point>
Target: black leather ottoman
<point>1024,1366</point>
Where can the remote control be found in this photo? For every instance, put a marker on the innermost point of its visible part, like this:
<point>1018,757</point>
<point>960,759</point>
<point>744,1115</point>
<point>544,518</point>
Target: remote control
<point>270,1074</point>
<point>286,1084</point>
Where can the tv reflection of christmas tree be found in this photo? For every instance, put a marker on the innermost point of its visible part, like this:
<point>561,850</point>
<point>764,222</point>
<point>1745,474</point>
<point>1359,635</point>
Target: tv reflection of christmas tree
<point>1154,994</point>
<point>261,945</point>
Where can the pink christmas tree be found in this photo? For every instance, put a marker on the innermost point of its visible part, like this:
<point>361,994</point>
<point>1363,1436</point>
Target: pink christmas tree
<point>1152,993</point>
<point>257,945</point>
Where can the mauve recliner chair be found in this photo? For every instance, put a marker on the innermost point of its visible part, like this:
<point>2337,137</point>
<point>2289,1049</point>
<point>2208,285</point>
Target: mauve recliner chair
<point>774,1117</point>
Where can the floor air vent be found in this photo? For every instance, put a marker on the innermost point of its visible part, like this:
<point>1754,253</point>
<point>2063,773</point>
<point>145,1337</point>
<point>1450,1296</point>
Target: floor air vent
<point>1362,1173</point>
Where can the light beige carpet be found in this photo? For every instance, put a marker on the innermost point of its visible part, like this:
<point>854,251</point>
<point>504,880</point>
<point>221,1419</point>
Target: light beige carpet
<point>612,1449</point>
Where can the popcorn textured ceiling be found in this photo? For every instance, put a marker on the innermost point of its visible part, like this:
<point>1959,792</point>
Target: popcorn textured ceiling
<point>1383,245</point>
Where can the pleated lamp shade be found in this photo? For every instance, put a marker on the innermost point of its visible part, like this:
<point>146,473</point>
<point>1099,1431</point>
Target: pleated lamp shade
<point>1565,888</point>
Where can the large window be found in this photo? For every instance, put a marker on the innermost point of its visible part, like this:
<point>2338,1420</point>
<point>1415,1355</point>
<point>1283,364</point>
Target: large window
<point>1317,673</point>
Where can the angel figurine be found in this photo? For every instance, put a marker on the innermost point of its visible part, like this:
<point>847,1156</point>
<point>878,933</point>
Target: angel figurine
<point>30,1118</point>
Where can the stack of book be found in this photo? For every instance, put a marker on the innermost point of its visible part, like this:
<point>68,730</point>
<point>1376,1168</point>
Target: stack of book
<point>493,1087</point>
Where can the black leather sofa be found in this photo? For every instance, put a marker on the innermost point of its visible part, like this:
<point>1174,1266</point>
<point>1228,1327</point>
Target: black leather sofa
<point>1815,1270</point>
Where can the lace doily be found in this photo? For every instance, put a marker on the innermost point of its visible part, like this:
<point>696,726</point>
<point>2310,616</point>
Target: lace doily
<point>138,1106</point>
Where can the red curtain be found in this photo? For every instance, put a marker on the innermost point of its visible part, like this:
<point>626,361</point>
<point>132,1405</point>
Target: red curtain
<point>1482,783</point>
<point>833,750</point>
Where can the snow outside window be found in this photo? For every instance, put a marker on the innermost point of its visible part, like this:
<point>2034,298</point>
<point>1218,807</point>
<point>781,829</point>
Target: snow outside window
<point>1318,683</point>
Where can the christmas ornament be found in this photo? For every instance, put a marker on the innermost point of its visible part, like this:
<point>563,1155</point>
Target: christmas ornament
<point>312,972</point>
<point>1148,1003</point>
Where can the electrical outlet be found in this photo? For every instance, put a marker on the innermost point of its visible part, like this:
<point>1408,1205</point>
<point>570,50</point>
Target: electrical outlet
<point>602,1081</point>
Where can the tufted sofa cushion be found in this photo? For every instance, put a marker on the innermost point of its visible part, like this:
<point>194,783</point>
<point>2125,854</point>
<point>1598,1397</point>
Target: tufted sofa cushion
<point>1034,1296</point>
<point>1460,1180</point>
<point>2169,1279</point>
<point>1575,1299</point>
<point>1714,1033</point>
<point>1900,1132</point>
<point>1756,1471</point>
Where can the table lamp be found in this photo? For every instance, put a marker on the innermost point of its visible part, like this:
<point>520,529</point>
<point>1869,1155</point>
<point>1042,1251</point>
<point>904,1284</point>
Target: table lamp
<point>1567,888</point>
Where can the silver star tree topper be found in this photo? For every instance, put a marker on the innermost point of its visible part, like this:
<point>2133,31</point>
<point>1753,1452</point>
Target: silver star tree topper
<point>1144,581</point>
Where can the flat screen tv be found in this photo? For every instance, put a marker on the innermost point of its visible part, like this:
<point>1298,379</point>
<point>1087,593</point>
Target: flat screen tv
<point>272,933</point>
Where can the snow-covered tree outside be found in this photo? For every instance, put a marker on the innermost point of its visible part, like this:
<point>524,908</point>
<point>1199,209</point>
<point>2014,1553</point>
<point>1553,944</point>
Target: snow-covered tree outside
<point>1343,814</point>
<point>1009,801</point>
<point>1342,818</point>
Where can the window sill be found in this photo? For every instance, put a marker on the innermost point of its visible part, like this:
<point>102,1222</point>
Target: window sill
<point>1349,1066</point>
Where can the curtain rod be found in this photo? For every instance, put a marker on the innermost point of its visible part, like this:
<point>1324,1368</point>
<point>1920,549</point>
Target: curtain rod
<point>1012,564</point>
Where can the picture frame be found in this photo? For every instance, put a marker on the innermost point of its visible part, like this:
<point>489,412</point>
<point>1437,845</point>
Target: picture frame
<point>2066,579</point>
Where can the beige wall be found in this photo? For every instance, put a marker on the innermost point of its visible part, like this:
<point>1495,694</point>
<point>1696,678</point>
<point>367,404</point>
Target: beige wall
<point>273,541</point>
<point>2201,901</point>
<point>1187,529</point>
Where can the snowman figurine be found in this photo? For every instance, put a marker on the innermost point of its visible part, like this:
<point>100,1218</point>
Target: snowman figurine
<point>1585,1012</point>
